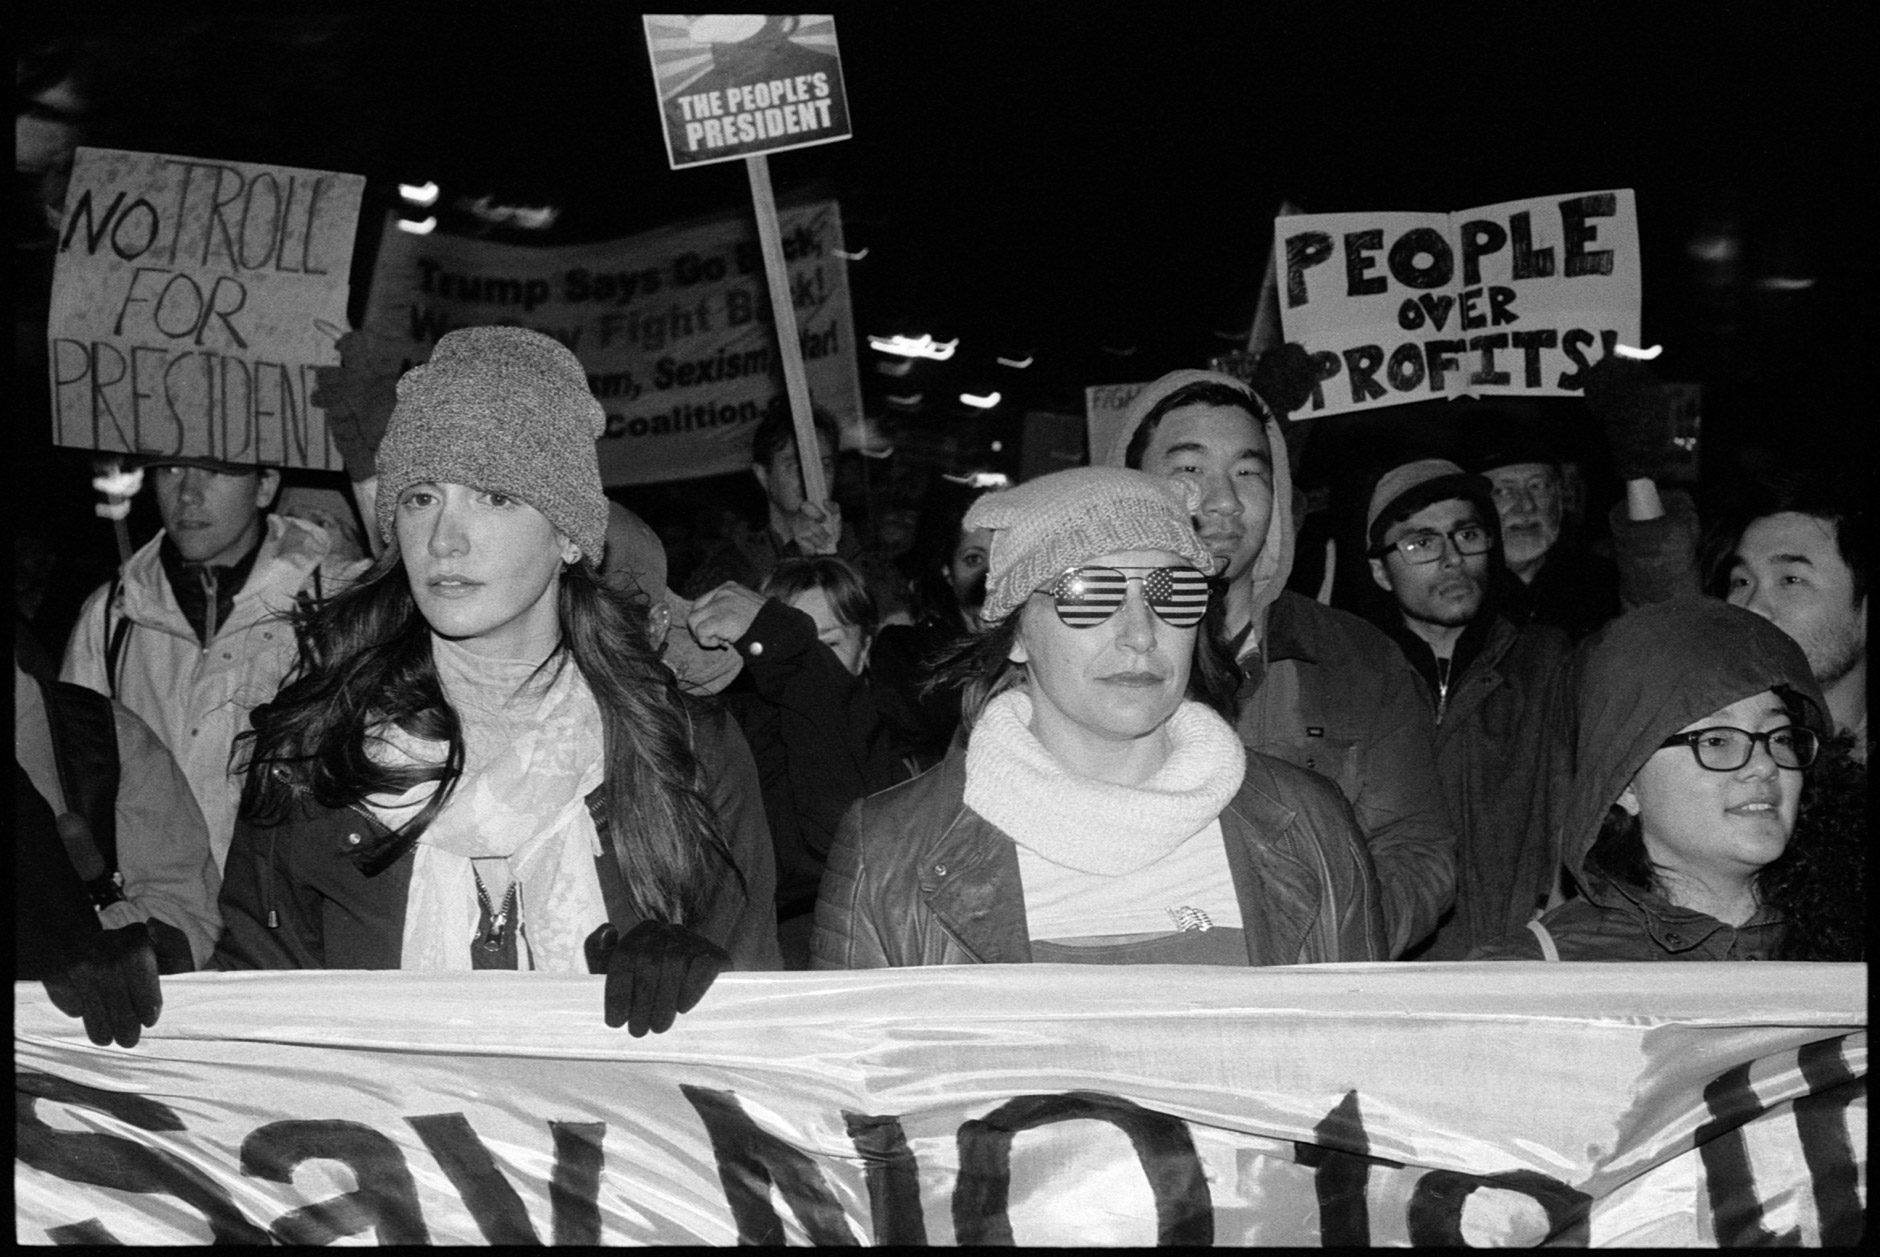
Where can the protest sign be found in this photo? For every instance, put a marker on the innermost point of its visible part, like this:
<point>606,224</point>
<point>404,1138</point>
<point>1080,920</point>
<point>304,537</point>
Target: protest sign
<point>191,301</point>
<point>673,327</point>
<point>1386,1104</point>
<point>740,84</point>
<point>1104,407</point>
<point>1515,299</point>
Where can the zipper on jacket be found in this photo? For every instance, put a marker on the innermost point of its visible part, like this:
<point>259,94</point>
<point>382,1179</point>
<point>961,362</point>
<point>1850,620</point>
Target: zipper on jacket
<point>1442,687</point>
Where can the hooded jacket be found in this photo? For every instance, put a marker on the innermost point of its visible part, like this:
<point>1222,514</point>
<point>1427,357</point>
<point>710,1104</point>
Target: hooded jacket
<point>196,698</point>
<point>1328,692</point>
<point>1641,679</point>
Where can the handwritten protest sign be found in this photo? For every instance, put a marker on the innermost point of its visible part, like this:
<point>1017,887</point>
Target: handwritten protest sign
<point>674,327</point>
<point>1513,299</point>
<point>1104,407</point>
<point>1060,1105</point>
<point>739,84</point>
<point>191,301</point>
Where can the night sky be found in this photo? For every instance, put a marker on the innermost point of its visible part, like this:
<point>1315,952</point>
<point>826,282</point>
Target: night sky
<point>1095,184</point>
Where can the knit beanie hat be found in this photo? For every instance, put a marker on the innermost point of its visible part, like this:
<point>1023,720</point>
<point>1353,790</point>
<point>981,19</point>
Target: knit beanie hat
<point>506,410</point>
<point>1044,526</point>
<point>1407,489</point>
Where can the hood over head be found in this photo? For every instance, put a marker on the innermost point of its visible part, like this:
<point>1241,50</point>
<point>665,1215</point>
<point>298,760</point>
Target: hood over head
<point>1274,564</point>
<point>1654,670</point>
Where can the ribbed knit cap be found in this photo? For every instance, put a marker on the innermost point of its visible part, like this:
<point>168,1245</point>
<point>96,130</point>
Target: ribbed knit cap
<point>1407,489</point>
<point>1067,518</point>
<point>505,410</point>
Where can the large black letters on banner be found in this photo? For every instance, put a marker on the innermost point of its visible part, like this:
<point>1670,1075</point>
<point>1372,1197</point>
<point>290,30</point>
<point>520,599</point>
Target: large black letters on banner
<point>1184,1208</point>
<point>1436,1206</point>
<point>574,1192</point>
<point>385,1201</point>
<point>1821,1122</point>
<point>1820,1128</point>
<point>1341,1164</point>
<point>750,1159</point>
<point>120,1164</point>
<point>893,1178</point>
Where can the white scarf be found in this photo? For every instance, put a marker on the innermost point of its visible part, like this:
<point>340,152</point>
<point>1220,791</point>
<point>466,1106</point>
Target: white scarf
<point>532,754</point>
<point>1098,826</point>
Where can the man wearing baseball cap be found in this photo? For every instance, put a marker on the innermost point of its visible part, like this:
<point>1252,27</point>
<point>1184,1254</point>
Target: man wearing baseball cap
<point>1497,689</point>
<point>190,634</point>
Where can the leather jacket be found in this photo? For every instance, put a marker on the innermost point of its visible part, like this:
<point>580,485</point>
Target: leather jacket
<point>918,878</point>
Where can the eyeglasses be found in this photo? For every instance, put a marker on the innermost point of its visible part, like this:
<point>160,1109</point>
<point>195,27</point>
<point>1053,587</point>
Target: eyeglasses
<point>1722,749</point>
<point>1087,596</point>
<point>1427,547</point>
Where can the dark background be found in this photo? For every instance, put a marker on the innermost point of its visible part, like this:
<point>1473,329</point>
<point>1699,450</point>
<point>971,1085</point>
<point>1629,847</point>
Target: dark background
<point>1092,186</point>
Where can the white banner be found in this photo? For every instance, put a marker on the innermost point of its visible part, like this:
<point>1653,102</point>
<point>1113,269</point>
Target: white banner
<point>1506,1104</point>
<point>1513,299</point>
<point>673,327</point>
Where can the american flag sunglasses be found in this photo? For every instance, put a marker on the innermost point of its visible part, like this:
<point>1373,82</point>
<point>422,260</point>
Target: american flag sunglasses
<point>1087,596</point>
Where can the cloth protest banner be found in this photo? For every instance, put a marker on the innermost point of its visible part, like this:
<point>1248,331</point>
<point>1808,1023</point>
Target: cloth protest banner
<point>1104,407</point>
<point>191,301</point>
<point>673,326</point>
<point>1598,1104</point>
<point>740,84</point>
<point>1515,299</point>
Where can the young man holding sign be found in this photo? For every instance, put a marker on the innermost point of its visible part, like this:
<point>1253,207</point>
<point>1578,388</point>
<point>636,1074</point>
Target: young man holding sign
<point>1322,689</point>
<point>190,634</point>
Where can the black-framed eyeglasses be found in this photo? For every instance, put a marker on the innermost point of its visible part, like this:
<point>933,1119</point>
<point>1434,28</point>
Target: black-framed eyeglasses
<point>1427,547</point>
<point>1723,749</point>
<point>1087,596</point>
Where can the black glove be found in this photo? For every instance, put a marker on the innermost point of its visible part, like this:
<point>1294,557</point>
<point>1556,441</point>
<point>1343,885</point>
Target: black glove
<point>1635,409</point>
<point>653,974</point>
<point>112,984</point>
<point>1285,377</point>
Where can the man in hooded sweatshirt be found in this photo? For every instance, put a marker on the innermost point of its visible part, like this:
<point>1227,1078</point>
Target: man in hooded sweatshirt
<point>1322,689</point>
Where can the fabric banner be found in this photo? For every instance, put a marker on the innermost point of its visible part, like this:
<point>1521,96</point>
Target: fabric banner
<point>673,326</point>
<point>1513,299</point>
<point>191,301</point>
<point>1597,1104</point>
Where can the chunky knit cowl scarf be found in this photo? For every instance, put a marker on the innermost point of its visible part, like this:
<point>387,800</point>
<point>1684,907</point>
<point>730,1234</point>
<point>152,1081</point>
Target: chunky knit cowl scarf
<point>1098,826</point>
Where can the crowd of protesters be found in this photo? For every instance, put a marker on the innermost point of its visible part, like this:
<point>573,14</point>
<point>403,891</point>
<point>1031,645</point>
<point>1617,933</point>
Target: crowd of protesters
<point>1082,719</point>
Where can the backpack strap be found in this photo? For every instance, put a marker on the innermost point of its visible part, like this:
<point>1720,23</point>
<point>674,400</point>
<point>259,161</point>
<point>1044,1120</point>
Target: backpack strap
<point>114,646</point>
<point>1548,950</point>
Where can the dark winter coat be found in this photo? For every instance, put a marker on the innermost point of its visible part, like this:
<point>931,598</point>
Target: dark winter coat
<point>1504,745</point>
<point>819,740</point>
<point>293,895</point>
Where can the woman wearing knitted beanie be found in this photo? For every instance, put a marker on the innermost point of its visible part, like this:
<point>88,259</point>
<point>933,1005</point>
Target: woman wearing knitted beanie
<point>482,761</point>
<point>1102,809</point>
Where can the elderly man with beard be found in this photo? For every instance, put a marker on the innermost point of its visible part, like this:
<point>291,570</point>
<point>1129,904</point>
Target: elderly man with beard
<point>1498,691</point>
<point>1560,582</point>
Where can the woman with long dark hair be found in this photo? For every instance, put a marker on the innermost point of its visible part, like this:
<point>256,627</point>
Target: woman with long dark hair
<point>481,761</point>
